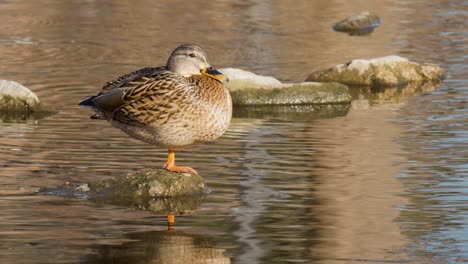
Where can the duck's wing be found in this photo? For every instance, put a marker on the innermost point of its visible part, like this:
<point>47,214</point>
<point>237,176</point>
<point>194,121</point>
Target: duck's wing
<point>126,88</point>
<point>131,79</point>
<point>155,101</point>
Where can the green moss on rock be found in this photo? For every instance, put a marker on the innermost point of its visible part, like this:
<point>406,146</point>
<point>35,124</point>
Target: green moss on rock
<point>19,103</point>
<point>150,183</point>
<point>158,191</point>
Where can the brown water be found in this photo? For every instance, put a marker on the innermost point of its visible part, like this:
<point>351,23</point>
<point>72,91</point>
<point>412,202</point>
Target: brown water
<point>384,182</point>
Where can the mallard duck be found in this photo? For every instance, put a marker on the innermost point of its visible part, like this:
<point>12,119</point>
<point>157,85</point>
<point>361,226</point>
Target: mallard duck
<point>174,106</point>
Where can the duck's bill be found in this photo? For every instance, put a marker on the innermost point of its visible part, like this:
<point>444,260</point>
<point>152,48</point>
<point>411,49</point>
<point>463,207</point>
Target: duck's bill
<point>215,74</point>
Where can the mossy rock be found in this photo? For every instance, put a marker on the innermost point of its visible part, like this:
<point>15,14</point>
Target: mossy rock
<point>150,183</point>
<point>159,191</point>
<point>293,94</point>
<point>19,103</point>
<point>249,89</point>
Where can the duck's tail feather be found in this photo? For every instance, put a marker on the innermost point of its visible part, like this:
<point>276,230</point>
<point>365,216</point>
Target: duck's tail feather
<point>87,102</point>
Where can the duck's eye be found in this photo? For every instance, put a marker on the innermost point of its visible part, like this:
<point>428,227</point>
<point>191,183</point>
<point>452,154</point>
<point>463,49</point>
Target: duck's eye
<point>192,55</point>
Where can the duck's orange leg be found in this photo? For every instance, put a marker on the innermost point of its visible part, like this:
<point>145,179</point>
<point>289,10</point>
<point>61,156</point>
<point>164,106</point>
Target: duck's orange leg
<point>170,164</point>
<point>170,222</point>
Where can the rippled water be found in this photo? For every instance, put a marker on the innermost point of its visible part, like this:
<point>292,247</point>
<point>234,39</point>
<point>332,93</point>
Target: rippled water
<point>384,180</point>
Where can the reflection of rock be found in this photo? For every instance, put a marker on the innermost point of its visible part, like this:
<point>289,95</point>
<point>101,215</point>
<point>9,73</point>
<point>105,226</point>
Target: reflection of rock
<point>169,247</point>
<point>158,191</point>
<point>365,97</point>
<point>359,24</point>
<point>18,102</point>
<point>250,89</point>
<point>379,72</point>
<point>399,94</point>
<point>292,112</point>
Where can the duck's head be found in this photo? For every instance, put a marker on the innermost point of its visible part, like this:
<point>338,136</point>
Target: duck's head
<point>190,59</point>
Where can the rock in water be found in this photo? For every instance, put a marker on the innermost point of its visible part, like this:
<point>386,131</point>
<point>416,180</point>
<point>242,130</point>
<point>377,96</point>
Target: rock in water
<point>15,97</point>
<point>294,94</point>
<point>250,89</point>
<point>240,79</point>
<point>158,191</point>
<point>15,89</point>
<point>379,72</point>
<point>150,183</point>
<point>359,24</point>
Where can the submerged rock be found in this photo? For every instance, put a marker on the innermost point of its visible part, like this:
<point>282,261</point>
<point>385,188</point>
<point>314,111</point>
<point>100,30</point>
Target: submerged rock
<point>251,89</point>
<point>292,112</point>
<point>379,72</point>
<point>17,101</point>
<point>359,24</point>
<point>158,191</point>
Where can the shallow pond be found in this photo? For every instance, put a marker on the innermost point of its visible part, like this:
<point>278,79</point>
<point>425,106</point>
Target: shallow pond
<point>383,181</point>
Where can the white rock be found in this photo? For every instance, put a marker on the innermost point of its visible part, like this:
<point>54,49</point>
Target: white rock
<point>15,89</point>
<point>363,65</point>
<point>239,78</point>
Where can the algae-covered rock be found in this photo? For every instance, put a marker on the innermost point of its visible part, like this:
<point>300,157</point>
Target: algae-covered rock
<point>359,24</point>
<point>251,89</point>
<point>295,94</point>
<point>17,90</point>
<point>18,102</point>
<point>150,183</point>
<point>158,191</point>
<point>379,72</point>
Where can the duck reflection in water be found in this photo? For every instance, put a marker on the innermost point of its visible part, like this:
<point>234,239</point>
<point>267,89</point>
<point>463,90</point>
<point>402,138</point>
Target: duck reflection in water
<point>160,247</point>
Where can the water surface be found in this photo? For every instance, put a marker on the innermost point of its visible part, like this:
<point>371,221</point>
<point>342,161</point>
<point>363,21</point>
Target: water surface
<point>382,181</point>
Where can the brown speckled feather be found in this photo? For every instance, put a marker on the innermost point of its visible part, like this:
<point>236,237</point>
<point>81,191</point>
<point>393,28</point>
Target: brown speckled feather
<point>154,100</point>
<point>167,109</point>
<point>131,79</point>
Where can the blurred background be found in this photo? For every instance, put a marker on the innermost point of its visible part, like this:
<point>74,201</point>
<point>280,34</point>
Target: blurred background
<point>383,182</point>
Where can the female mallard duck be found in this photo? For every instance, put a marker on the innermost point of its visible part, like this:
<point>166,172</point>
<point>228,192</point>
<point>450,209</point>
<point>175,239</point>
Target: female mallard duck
<point>180,104</point>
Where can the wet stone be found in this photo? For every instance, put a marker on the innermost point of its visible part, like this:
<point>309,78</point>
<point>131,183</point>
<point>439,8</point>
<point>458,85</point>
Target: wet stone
<point>386,71</point>
<point>249,89</point>
<point>159,191</point>
<point>18,102</point>
<point>359,24</point>
<point>296,94</point>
